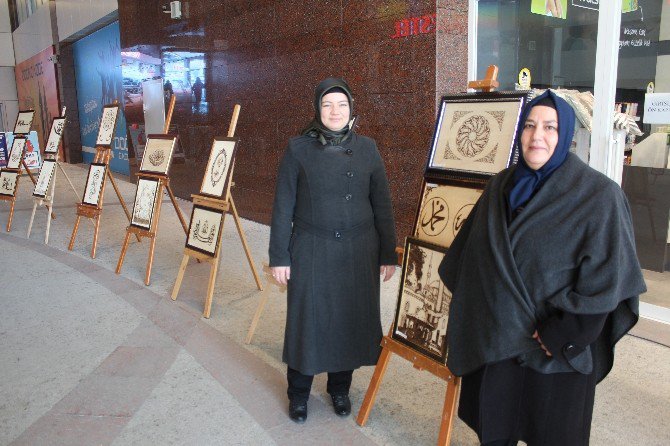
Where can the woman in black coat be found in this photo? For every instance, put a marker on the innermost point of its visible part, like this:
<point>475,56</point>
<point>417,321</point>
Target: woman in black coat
<point>545,280</point>
<point>332,236</point>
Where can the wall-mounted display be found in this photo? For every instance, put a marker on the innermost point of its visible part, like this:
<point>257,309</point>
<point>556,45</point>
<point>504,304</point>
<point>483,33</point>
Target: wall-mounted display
<point>24,122</point>
<point>145,203</point>
<point>107,125</point>
<point>16,152</point>
<point>444,207</point>
<point>57,126</point>
<point>94,182</point>
<point>8,181</point>
<point>204,230</point>
<point>422,309</point>
<point>219,167</point>
<point>158,154</point>
<point>474,135</point>
<point>44,179</point>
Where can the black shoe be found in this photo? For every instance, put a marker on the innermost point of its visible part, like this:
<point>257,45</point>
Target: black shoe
<point>341,404</point>
<point>297,411</point>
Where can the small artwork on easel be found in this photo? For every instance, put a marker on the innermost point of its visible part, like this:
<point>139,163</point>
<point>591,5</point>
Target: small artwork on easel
<point>422,309</point>
<point>205,230</point>
<point>8,183</point>
<point>158,154</point>
<point>145,203</point>
<point>24,122</point>
<point>44,180</point>
<point>107,125</point>
<point>218,170</point>
<point>16,152</point>
<point>94,182</point>
<point>55,134</point>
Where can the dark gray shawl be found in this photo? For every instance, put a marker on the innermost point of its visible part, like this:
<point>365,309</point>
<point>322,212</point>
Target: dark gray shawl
<point>571,249</point>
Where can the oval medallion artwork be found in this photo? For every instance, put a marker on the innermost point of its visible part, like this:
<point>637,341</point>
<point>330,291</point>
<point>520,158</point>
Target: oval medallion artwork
<point>474,136</point>
<point>219,167</point>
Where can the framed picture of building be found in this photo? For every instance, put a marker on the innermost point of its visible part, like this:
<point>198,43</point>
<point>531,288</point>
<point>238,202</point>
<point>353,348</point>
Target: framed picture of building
<point>474,134</point>
<point>8,180</point>
<point>145,203</point>
<point>158,154</point>
<point>94,183</point>
<point>16,152</point>
<point>204,231</point>
<point>443,208</point>
<point>44,179</point>
<point>107,125</point>
<point>24,122</point>
<point>422,309</point>
<point>219,167</point>
<point>57,126</point>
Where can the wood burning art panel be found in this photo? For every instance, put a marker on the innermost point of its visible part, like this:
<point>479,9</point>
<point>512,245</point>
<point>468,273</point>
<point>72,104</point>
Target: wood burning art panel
<point>107,125</point>
<point>16,152</point>
<point>145,203</point>
<point>94,183</point>
<point>44,179</point>
<point>158,154</point>
<point>219,167</point>
<point>24,122</point>
<point>8,182</point>
<point>55,135</point>
<point>204,231</point>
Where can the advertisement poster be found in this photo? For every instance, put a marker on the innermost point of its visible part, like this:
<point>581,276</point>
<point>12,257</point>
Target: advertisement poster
<point>3,150</point>
<point>551,8</point>
<point>37,90</point>
<point>32,154</point>
<point>97,60</point>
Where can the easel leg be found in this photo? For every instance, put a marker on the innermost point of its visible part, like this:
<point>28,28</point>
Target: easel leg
<point>180,277</point>
<point>448,411</point>
<point>257,316</point>
<point>95,236</point>
<point>30,174</point>
<point>124,248</point>
<point>74,233</point>
<point>210,288</point>
<point>74,191</point>
<point>236,217</point>
<point>376,380</point>
<point>46,236</point>
<point>121,200</point>
<point>32,218</point>
<point>11,215</point>
<point>150,262</point>
<point>176,208</point>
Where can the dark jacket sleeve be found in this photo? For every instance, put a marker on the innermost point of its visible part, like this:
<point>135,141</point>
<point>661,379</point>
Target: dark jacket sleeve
<point>282,210</point>
<point>380,199</point>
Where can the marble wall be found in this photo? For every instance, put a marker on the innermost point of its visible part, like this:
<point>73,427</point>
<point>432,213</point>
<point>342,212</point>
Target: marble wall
<point>398,57</point>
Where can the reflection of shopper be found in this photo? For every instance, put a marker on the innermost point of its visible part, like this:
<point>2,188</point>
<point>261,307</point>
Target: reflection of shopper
<point>167,89</point>
<point>197,90</point>
<point>332,235</point>
<point>545,280</point>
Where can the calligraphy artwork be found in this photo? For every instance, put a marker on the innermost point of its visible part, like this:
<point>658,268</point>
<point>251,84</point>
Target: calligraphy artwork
<point>44,179</point>
<point>476,134</point>
<point>8,182</point>
<point>94,182</point>
<point>218,170</point>
<point>107,125</point>
<point>423,302</point>
<point>145,203</point>
<point>157,155</point>
<point>57,126</point>
<point>204,230</point>
<point>445,205</point>
<point>24,122</point>
<point>16,153</point>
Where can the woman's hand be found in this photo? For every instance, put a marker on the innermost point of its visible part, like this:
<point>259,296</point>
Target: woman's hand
<point>387,271</point>
<point>282,274</point>
<point>536,336</point>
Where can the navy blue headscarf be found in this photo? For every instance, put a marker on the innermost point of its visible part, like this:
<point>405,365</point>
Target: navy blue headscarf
<point>527,181</point>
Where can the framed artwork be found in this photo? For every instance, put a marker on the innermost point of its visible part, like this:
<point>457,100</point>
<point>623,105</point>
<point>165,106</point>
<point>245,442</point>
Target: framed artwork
<point>44,180</point>
<point>158,154</point>
<point>218,171</point>
<point>16,152</point>
<point>57,126</point>
<point>422,309</point>
<point>444,207</point>
<point>8,181</point>
<point>107,125</point>
<point>94,182</point>
<point>145,203</point>
<point>24,122</point>
<point>474,134</point>
<point>204,231</point>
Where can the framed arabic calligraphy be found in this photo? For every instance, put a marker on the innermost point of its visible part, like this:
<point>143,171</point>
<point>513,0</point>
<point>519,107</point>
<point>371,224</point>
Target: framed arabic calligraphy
<point>24,122</point>
<point>8,181</point>
<point>204,231</point>
<point>145,203</point>
<point>44,180</point>
<point>107,125</point>
<point>55,134</point>
<point>444,207</point>
<point>218,171</point>
<point>94,182</point>
<point>157,155</point>
<point>16,152</point>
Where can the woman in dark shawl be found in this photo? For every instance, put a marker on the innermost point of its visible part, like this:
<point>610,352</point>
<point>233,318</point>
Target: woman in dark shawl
<point>332,236</point>
<point>545,280</point>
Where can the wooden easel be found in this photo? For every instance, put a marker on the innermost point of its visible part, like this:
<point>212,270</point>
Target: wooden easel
<point>225,205</point>
<point>102,155</point>
<point>265,295</point>
<point>489,83</point>
<point>164,184</point>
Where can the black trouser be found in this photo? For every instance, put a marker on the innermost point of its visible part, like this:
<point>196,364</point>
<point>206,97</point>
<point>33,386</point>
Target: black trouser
<point>299,385</point>
<point>502,443</point>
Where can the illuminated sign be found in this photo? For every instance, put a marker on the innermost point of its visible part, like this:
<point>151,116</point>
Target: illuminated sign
<point>414,26</point>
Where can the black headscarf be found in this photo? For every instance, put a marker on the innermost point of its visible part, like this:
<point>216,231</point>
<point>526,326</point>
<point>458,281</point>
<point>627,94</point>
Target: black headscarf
<point>316,128</point>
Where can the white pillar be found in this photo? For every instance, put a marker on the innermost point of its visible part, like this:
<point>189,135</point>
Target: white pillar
<point>473,8</point>
<point>606,156</point>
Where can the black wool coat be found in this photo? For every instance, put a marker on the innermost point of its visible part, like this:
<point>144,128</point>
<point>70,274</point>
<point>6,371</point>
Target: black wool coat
<point>332,223</point>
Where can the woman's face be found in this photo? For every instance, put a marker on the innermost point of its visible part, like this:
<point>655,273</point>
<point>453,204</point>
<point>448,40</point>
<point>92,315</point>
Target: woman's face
<point>539,136</point>
<point>335,111</point>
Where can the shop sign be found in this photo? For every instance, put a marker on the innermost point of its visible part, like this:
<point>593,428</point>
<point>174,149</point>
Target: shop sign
<point>413,26</point>
<point>657,108</point>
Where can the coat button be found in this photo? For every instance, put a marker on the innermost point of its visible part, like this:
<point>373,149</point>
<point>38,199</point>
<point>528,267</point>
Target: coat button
<point>350,174</point>
<point>349,152</point>
<point>347,197</point>
<point>337,234</point>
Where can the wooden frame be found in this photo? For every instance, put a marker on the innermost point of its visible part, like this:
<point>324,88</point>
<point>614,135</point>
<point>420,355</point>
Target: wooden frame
<point>24,122</point>
<point>145,203</point>
<point>94,184</point>
<point>157,156</point>
<point>475,134</point>
<point>55,134</point>
<point>219,167</point>
<point>205,229</point>
<point>15,157</point>
<point>44,179</point>
<point>9,179</point>
<point>110,114</point>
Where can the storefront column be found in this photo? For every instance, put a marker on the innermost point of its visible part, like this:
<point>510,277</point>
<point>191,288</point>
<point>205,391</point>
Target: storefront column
<point>473,13</point>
